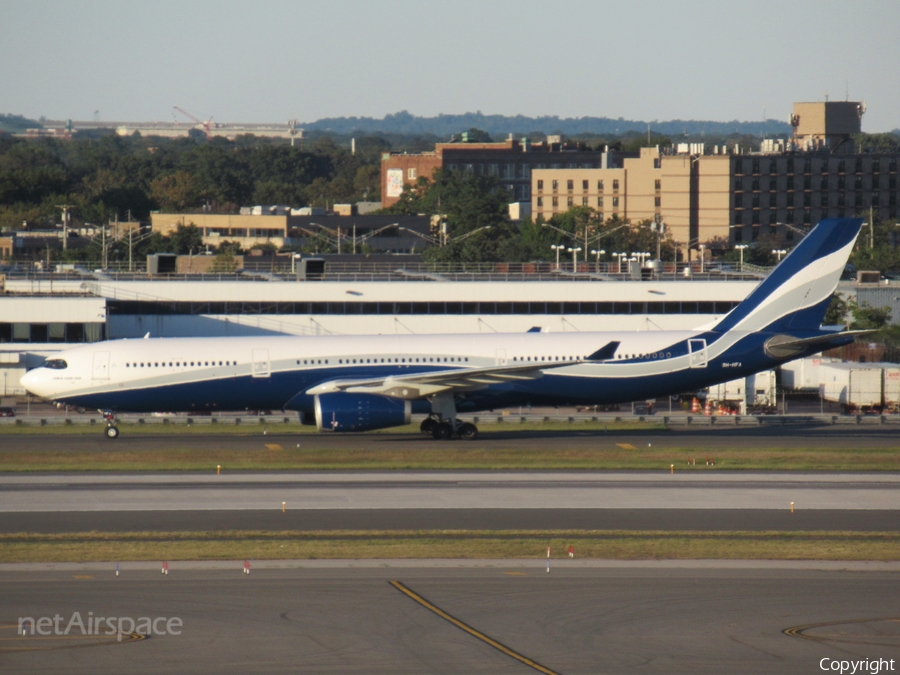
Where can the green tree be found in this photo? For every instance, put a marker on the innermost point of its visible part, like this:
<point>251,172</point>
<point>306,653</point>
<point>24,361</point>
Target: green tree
<point>884,255</point>
<point>868,318</point>
<point>836,314</point>
<point>224,261</point>
<point>186,239</point>
<point>176,192</point>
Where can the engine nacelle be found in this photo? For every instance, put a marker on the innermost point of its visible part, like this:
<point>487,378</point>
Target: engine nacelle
<point>360,412</point>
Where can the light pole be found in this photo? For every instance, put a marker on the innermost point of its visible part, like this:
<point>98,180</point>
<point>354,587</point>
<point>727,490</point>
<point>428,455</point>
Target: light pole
<point>557,248</point>
<point>618,257</point>
<point>740,249</point>
<point>598,253</point>
<point>778,252</point>
<point>574,252</point>
<point>294,259</point>
<point>702,257</point>
<point>659,227</point>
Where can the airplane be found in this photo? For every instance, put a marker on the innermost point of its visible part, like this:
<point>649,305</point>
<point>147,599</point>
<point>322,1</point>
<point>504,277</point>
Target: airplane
<point>365,382</point>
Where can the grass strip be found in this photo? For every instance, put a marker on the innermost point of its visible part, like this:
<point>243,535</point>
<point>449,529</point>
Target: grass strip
<point>370,454</point>
<point>471,544</point>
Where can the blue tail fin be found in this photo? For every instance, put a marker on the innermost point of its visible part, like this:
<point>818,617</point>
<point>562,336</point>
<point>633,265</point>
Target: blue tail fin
<point>795,296</point>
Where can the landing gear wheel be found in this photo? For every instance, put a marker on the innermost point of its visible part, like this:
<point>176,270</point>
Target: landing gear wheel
<point>468,431</point>
<point>428,425</point>
<point>112,432</point>
<point>442,431</point>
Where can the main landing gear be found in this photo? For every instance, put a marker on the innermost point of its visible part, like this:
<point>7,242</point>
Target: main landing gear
<point>112,431</point>
<point>442,424</point>
<point>441,429</point>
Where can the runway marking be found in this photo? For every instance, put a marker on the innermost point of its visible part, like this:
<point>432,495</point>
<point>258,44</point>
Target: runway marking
<point>886,640</point>
<point>626,446</point>
<point>471,631</point>
<point>82,576</point>
<point>516,574</point>
<point>68,641</point>
<point>274,446</point>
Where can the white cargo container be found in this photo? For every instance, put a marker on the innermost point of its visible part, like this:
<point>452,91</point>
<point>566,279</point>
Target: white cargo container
<point>739,395</point>
<point>804,373</point>
<point>856,386</point>
<point>891,385</point>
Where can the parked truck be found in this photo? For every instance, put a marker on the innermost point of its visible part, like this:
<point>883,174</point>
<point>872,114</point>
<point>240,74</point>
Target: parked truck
<point>805,374</point>
<point>862,387</point>
<point>751,395</point>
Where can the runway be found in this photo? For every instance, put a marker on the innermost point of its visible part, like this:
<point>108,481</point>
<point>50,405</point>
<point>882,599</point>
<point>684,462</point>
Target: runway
<point>615,619</point>
<point>418,490</point>
<point>413,500</point>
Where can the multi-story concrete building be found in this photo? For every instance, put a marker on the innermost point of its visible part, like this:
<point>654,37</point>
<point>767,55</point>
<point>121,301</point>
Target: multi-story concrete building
<point>718,197</point>
<point>511,161</point>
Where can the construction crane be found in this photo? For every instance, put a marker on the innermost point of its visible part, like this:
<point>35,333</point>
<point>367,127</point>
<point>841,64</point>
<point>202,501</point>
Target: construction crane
<point>200,123</point>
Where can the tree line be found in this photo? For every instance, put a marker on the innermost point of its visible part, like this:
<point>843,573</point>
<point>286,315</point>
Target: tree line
<point>110,176</point>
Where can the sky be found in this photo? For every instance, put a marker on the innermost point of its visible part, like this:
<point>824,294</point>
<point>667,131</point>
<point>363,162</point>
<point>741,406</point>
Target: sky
<point>272,60</point>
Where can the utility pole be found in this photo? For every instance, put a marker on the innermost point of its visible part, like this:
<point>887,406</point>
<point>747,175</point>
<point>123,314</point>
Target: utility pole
<point>871,228</point>
<point>65,238</point>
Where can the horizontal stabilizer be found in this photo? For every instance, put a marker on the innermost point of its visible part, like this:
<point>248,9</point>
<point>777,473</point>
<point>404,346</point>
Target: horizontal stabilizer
<point>787,347</point>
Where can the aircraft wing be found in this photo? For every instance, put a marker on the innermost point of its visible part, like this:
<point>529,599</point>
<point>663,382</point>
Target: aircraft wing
<point>420,385</point>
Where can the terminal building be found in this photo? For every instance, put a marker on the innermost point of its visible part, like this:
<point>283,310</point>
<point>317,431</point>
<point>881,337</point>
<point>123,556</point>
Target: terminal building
<point>44,313</point>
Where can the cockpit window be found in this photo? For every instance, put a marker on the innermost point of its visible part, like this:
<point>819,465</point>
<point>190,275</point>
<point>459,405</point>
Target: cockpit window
<point>56,364</point>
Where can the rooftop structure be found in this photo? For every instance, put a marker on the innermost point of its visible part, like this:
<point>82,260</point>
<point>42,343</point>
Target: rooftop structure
<point>826,125</point>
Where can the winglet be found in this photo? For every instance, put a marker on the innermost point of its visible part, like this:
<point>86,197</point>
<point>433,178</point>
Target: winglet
<point>605,353</point>
<point>534,329</point>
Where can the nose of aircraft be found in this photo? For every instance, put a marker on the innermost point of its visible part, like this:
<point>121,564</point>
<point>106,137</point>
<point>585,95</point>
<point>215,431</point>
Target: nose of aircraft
<point>34,382</point>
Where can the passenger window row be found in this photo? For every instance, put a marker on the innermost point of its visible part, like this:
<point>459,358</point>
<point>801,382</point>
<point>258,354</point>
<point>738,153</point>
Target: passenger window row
<point>177,364</point>
<point>423,359</point>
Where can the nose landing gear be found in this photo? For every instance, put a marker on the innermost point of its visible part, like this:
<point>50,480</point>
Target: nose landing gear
<point>112,431</point>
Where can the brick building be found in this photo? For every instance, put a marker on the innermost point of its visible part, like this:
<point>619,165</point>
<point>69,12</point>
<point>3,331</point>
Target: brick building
<point>512,161</point>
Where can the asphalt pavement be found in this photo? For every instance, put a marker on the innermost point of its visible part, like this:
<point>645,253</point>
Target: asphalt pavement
<point>508,618</point>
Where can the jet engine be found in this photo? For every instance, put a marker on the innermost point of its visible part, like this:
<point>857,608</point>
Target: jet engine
<point>360,412</point>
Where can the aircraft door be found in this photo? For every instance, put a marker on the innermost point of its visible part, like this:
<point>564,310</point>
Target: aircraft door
<point>260,367</point>
<point>697,353</point>
<point>101,366</point>
<point>500,358</point>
